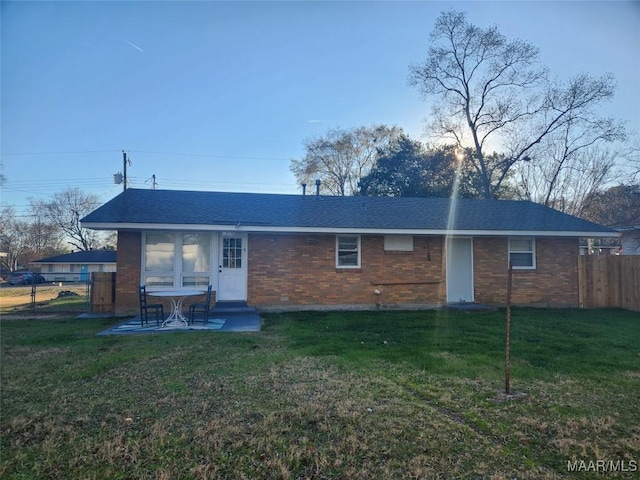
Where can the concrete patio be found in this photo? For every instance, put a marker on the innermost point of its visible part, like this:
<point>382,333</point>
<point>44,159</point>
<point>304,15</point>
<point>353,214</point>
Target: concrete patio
<point>220,320</point>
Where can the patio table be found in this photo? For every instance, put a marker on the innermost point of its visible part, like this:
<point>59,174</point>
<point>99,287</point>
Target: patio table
<point>176,297</point>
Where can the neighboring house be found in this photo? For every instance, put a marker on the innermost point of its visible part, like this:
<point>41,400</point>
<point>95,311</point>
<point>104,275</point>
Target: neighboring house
<point>297,251</point>
<point>630,239</point>
<point>4,272</point>
<point>77,266</point>
<point>587,248</point>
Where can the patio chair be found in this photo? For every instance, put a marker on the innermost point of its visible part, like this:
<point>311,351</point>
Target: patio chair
<point>145,307</point>
<point>203,308</point>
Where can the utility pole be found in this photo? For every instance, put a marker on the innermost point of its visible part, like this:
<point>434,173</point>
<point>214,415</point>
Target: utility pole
<point>119,178</point>
<point>124,158</point>
<point>153,181</point>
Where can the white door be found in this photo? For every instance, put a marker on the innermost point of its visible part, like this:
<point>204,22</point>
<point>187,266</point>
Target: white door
<point>459,270</point>
<point>232,269</point>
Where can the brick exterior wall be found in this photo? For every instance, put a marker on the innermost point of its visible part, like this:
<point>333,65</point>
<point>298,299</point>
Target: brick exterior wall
<point>554,282</point>
<point>290,270</point>
<point>128,272</point>
<point>129,265</point>
<point>287,270</point>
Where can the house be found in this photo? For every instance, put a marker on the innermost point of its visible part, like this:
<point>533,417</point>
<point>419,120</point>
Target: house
<point>311,251</point>
<point>630,239</point>
<point>77,266</point>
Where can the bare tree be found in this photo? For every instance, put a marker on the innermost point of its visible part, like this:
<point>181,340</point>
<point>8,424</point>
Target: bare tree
<point>491,93</point>
<point>13,239</point>
<point>566,182</point>
<point>569,161</point>
<point>65,211</point>
<point>340,158</point>
<point>618,206</point>
<point>631,161</point>
<point>44,236</point>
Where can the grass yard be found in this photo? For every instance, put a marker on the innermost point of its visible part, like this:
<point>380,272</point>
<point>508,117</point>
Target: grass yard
<point>357,395</point>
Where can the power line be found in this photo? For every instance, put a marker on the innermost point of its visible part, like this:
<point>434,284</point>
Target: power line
<point>149,152</point>
<point>107,188</point>
<point>40,186</point>
<point>210,155</point>
<point>48,181</point>
<point>72,152</point>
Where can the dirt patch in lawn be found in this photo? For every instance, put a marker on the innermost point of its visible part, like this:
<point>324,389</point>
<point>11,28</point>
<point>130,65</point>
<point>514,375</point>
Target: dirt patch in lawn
<point>17,300</point>
<point>23,299</point>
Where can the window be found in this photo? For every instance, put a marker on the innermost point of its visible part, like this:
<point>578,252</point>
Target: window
<point>177,260</point>
<point>232,253</point>
<point>522,253</point>
<point>196,259</point>
<point>159,252</point>
<point>196,253</point>
<point>398,243</point>
<point>348,252</point>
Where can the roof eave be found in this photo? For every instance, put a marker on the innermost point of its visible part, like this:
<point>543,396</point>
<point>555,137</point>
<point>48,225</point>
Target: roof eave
<point>347,230</point>
<point>74,262</point>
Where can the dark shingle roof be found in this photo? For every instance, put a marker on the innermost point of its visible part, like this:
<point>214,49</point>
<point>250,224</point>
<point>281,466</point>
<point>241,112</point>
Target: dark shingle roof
<point>90,256</point>
<point>270,212</point>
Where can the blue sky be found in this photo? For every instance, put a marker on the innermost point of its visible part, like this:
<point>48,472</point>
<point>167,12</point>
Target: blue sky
<point>221,95</point>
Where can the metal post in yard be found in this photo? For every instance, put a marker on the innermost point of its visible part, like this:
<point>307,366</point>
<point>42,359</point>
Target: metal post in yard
<point>91,288</point>
<point>507,358</point>
<point>33,294</point>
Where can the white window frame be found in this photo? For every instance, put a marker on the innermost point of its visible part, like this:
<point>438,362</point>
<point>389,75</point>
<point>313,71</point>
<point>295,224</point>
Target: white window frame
<point>358,247</point>
<point>177,273</point>
<point>532,252</point>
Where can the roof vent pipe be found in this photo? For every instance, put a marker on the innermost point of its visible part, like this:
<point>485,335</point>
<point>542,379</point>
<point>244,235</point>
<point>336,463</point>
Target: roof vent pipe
<point>304,189</point>
<point>317,188</point>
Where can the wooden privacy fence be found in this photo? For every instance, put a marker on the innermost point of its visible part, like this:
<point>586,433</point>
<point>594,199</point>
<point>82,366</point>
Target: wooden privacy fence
<point>103,292</point>
<point>609,281</point>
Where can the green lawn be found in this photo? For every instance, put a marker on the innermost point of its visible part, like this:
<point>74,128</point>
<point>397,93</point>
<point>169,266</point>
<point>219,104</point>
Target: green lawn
<point>326,395</point>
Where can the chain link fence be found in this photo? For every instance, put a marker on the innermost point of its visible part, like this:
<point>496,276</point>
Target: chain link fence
<point>59,293</point>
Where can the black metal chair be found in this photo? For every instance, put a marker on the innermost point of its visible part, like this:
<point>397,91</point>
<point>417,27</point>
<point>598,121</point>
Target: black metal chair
<point>146,307</point>
<point>203,308</point>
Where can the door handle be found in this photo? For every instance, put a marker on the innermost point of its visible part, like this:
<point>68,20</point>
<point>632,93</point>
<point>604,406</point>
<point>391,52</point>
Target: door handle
<point>219,268</point>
